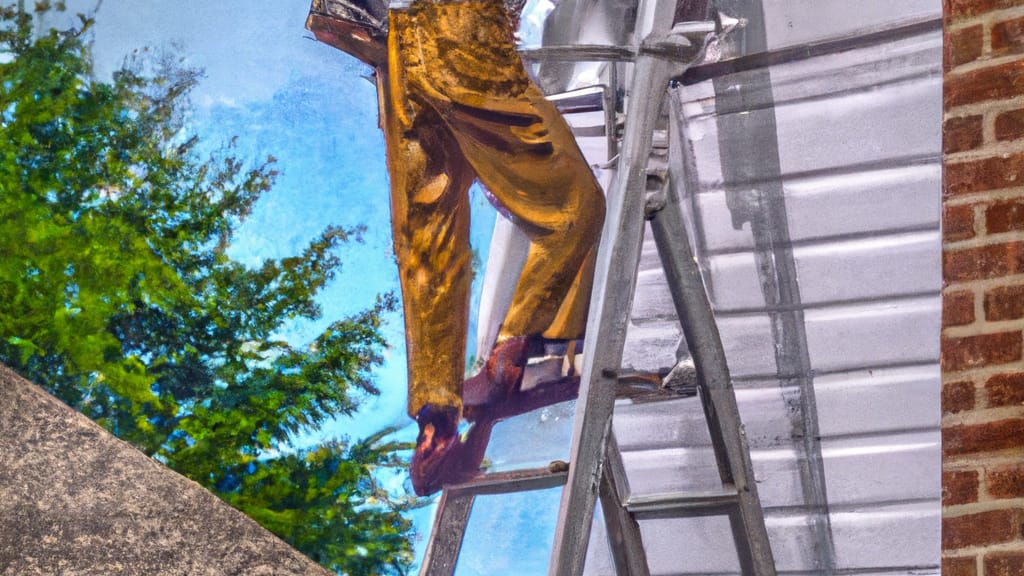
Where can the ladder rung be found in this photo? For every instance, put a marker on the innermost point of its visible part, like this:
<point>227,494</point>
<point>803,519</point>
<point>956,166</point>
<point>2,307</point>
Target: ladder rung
<point>682,504</point>
<point>513,481</point>
<point>643,387</point>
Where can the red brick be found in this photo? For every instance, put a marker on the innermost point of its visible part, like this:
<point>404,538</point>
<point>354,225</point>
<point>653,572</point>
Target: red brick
<point>957,397</point>
<point>1004,564</point>
<point>962,566</point>
<point>1008,36</point>
<point>957,223</point>
<point>983,175</point>
<point>1006,216</point>
<point>980,350</point>
<point>1010,125</point>
<point>993,527</point>
<point>959,487</point>
<point>962,46</point>
<point>955,9</point>
<point>1005,390</point>
<point>959,134</point>
<point>991,83</point>
<point>1006,482</point>
<point>957,308</point>
<point>1004,303</point>
<point>988,437</point>
<point>991,261</point>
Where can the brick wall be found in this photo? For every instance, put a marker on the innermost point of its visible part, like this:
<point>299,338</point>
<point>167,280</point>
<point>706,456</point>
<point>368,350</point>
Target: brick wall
<point>983,296</point>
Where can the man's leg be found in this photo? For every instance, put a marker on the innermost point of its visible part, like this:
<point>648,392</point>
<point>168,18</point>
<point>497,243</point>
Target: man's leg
<point>430,221</point>
<point>528,158</point>
<point>456,75</point>
<point>465,66</point>
<point>532,166</point>
<point>523,152</point>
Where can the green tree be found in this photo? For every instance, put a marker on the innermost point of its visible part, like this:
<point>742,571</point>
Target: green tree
<point>118,295</point>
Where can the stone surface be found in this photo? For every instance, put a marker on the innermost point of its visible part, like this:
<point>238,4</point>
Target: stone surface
<point>981,350</point>
<point>993,527</point>
<point>76,500</point>
<point>992,261</point>
<point>1006,216</point>
<point>1004,303</point>
<point>1005,390</point>
<point>962,133</point>
<point>1008,36</point>
<point>964,45</point>
<point>1006,482</point>
<point>984,175</point>
<point>1010,125</point>
<point>979,438</point>
<point>958,9</point>
<point>1004,564</point>
<point>958,308</point>
<point>959,487</point>
<point>957,397</point>
<point>960,566</point>
<point>983,254</point>
<point>991,83</point>
<point>958,223</point>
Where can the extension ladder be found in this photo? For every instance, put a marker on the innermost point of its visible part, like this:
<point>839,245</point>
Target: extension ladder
<point>596,470</point>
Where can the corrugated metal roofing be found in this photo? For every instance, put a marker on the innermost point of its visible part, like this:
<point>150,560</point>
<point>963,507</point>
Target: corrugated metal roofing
<point>811,191</point>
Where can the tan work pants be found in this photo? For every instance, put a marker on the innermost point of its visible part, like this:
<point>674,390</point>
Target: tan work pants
<point>456,105</point>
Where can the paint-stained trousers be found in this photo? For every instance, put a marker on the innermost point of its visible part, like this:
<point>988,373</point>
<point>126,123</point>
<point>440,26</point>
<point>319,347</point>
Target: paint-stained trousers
<point>456,105</point>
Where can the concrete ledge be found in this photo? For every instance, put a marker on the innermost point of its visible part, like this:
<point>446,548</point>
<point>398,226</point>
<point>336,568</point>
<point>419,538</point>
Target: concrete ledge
<point>76,500</point>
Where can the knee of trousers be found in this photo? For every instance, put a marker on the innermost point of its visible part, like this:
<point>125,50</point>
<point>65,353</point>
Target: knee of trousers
<point>589,215</point>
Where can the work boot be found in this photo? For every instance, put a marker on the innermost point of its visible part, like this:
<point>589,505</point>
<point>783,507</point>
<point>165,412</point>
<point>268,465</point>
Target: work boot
<point>500,376</point>
<point>441,457</point>
<point>434,446</point>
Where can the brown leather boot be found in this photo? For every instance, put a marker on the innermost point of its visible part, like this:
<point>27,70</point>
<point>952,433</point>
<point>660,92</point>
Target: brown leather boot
<point>500,376</point>
<point>441,457</point>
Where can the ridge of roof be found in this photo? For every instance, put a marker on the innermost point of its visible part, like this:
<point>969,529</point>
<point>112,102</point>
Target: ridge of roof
<point>74,499</point>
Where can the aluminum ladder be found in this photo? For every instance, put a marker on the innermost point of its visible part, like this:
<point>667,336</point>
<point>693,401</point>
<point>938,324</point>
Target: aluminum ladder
<point>595,469</point>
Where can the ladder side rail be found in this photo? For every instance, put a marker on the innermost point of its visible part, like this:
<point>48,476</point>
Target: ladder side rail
<point>745,548</point>
<point>617,262</point>
<point>701,332</point>
<point>624,539</point>
<point>441,556</point>
<point>617,469</point>
<point>447,534</point>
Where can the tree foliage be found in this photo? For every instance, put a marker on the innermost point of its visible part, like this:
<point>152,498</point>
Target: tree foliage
<point>117,294</point>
